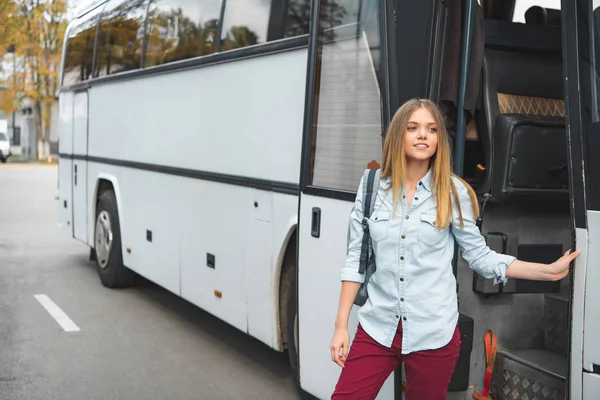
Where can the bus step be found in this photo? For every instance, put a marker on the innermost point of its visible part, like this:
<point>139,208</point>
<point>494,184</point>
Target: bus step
<point>529,374</point>
<point>556,323</point>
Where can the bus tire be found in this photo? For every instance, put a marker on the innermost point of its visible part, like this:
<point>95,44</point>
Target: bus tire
<point>107,244</point>
<point>292,329</point>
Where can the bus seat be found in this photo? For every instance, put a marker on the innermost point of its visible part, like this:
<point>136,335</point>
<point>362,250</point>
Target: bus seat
<point>523,135</point>
<point>537,15</point>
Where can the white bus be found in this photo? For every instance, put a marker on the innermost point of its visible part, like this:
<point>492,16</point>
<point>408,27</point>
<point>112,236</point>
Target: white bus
<point>214,147</point>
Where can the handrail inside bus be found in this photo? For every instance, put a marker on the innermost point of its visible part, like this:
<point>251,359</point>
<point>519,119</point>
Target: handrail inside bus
<point>461,128</point>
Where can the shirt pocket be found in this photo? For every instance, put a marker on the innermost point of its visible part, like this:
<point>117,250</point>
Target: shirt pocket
<point>428,232</point>
<point>379,225</point>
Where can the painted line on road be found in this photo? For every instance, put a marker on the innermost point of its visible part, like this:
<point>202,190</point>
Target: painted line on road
<point>59,315</point>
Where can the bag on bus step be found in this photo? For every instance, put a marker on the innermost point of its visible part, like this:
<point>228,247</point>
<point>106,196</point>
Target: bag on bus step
<point>367,257</point>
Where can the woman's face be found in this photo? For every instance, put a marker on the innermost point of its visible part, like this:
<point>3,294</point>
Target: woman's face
<point>421,137</point>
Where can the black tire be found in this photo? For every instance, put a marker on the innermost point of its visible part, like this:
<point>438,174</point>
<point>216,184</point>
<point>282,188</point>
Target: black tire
<point>292,329</point>
<point>112,272</point>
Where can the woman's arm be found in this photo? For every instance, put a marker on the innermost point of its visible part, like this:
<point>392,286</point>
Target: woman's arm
<point>542,272</point>
<point>347,296</point>
<point>341,337</point>
<point>491,264</point>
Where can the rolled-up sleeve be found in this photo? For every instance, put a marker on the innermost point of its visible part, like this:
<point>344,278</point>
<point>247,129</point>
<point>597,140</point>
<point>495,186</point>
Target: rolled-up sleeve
<point>355,236</point>
<point>481,259</point>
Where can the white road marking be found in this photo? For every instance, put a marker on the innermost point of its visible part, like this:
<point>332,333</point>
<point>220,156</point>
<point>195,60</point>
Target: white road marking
<point>59,315</point>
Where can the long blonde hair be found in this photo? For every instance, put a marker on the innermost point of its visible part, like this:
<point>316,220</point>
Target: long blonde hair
<point>394,162</point>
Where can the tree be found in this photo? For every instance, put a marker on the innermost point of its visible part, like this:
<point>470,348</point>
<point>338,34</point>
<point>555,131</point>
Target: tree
<point>8,12</point>
<point>36,28</point>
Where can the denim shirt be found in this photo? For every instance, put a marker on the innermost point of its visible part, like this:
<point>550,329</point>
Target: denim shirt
<point>414,284</point>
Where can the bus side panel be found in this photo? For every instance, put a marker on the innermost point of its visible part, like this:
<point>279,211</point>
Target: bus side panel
<point>591,344</point>
<point>80,166</point>
<point>216,236</point>
<point>214,247</point>
<point>173,119</point>
<point>267,243</point>
<point>579,276</point>
<point>591,386</point>
<point>150,220</point>
<point>65,164</point>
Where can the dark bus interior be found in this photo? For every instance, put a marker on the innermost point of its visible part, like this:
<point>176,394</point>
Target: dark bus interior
<point>515,157</point>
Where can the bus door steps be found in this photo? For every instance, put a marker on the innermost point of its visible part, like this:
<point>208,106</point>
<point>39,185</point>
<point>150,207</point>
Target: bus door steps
<point>530,374</point>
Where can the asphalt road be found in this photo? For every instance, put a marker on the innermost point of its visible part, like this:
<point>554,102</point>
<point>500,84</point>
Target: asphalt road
<point>142,343</point>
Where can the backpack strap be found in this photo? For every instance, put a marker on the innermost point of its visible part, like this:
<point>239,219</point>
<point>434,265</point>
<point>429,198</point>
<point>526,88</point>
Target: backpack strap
<point>369,193</point>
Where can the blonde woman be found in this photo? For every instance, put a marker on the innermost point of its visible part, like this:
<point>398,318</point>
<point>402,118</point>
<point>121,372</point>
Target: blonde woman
<point>411,314</point>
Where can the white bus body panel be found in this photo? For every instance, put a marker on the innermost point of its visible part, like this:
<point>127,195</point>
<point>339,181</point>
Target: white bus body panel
<point>591,329</point>
<point>65,165</point>
<point>591,386</point>
<point>80,143</point>
<point>171,120</point>
<point>242,118</point>
<point>579,279</point>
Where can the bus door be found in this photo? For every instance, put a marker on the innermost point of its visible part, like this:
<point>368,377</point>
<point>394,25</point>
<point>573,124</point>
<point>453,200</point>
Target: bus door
<point>79,171</point>
<point>581,33</point>
<point>345,135</point>
<point>350,93</point>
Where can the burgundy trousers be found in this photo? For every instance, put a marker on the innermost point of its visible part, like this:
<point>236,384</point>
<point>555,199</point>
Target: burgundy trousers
<point>369,364</point>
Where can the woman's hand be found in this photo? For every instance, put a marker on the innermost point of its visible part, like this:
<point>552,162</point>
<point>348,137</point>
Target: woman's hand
<point>542,272</point>
<point>340,341</point>
<point>560,268</point>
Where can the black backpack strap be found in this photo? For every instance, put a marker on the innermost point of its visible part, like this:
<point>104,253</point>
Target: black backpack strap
<point>368,202</point>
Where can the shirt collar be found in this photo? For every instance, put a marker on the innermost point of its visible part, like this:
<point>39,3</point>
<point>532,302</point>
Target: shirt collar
<point>426,181</point>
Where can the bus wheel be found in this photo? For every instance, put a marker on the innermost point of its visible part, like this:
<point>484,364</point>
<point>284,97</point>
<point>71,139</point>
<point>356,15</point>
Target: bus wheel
<point>107,244</point>
<point>292,330</point>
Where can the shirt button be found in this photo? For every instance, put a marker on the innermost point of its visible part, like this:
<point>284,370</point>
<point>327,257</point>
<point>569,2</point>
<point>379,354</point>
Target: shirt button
<point>397,316</point>
<point>401,298</point>
<point>402,258</point>
<point>403,236</point>
<point>406,217</point>
<point>404,318</point>
<point>416,198</point>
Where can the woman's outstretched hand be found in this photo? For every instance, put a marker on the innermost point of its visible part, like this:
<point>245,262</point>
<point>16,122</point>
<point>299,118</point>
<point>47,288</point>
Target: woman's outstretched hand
<point>560,268</point>
<point>340,341</point>
<point>542,272</point>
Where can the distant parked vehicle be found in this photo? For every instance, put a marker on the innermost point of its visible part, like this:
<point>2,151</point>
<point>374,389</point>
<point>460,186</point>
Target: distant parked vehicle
<point>4,147</point>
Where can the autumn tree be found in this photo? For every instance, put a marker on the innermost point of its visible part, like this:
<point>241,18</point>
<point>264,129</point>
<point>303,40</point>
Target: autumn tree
<point>36,30</point>
<point>8,27</point>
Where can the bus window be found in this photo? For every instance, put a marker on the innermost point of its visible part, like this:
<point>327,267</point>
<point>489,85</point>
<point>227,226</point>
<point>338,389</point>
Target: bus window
<point>522,6</point>
<point>347,127</point>
<point>288,19</point>
<point>181,29</point>
<point>80,51</point>
<point>120,37</point>
<point>245,23</point>
<point>250,22</point>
